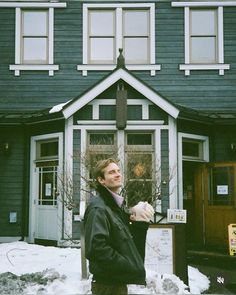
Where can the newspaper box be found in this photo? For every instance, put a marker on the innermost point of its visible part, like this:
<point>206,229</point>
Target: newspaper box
<point>232,239</point>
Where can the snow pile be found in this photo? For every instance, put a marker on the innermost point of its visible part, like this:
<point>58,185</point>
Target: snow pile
<point>33,269</point>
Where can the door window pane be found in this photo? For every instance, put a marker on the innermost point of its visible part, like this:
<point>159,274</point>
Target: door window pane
<point>222,186</point>
<point>47,149</point>
<point>47,186</point>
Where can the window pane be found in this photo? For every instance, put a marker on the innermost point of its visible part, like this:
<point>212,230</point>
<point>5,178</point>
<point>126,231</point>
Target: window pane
<point>136,23</point>
<point>35,23</point>
<point>203,49</point>
<point>134,112</point>
<point>222,186</point>
<point>139,139</point>
<point>101,23</point>
<point>35,49</point>
<point>203,22</point>
<point>101,139</point>
<point>102,49</point>
<point>138,185</point>
<point>107,112</point>
<point>140,54</point>
<point>191,149</point>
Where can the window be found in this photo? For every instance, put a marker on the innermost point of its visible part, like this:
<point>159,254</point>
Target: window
<point>34,37</point>
<point>222,186</point>
<point>192,149</point>
<point>139,153</point>
<point>204,38</point>
<point>101,145</point>
<point>34,40</point>
<point>133,34</point>
<point>108,27</point>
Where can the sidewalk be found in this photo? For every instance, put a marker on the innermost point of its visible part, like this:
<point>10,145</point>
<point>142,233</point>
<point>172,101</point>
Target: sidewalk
<point>220,267</point>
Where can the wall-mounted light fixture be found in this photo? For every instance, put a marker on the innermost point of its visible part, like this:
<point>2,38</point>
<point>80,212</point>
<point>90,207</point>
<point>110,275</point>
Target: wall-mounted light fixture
<point>233,146</point>
<point>6,148</point>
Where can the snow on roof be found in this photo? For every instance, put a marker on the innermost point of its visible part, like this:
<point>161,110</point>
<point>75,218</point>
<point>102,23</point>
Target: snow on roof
<point>58,107</point>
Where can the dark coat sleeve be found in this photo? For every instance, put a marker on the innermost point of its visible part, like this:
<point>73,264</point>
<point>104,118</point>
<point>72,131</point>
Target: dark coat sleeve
<point>138,230</point>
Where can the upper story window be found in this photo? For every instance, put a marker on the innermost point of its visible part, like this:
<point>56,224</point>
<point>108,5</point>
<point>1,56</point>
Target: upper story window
<point>108,27</point>
<point>204,37</point>
<point>133,34</point>
<point>34,34</point>
<point>34,37</point>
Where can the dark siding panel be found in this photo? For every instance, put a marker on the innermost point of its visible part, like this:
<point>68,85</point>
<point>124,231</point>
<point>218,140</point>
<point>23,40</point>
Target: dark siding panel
<point>11,180</point>
<point>221,144</point>
<point>164,170</point>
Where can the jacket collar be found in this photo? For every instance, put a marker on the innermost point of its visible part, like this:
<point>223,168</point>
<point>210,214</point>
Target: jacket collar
<point>107,197</point>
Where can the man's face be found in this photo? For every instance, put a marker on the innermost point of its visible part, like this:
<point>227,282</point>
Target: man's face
<point>112,177</point>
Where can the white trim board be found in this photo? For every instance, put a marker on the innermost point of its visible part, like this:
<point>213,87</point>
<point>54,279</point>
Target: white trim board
<point>203,4</point>
<point>33,4</point>
<point>120,74</point>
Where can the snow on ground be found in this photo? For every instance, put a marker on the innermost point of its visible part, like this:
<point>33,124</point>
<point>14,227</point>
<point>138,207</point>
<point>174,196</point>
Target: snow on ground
<point>33,269</point>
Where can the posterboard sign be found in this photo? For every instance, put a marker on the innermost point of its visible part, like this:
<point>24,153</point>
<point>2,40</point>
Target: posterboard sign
<point>159,249</point>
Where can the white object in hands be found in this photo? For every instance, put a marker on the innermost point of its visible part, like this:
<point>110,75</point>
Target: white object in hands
<point>143,211</point>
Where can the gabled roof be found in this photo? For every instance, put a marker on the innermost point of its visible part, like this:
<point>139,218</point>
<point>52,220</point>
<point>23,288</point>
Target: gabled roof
<point>120,74</point>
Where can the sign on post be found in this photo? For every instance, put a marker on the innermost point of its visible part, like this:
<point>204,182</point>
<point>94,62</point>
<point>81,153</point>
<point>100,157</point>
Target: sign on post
<point>160,249</point>
<point>232,239</point>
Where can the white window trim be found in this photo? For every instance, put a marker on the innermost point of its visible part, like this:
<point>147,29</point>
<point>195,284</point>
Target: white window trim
<point>205,158</point>
<point>187,67</point>
<point>203,4</point>
<point>50,67</point>
<point>152,67</point>
<point>33,4</point>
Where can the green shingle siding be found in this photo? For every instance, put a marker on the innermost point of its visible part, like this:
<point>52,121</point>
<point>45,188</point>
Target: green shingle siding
<point>11,180</point>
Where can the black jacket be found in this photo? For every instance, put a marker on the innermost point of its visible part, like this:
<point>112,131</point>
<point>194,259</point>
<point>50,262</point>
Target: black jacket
<point>109,245</point>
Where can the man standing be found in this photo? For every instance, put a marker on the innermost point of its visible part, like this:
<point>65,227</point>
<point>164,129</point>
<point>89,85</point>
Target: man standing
<point>114,239</point>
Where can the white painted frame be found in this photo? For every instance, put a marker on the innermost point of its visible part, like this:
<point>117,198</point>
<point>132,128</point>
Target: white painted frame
<point>220,66</point>
<point>152,67</point>
<point>18,66</point>
<point>123,74</point>
<point>205,158</point>
<point>33,182</point>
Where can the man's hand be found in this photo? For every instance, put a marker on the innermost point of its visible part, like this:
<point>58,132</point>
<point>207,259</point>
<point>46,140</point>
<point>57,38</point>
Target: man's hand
<point>143,211</point>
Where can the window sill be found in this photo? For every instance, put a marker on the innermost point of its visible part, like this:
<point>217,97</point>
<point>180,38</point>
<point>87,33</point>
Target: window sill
<point>141,67</point>
<point>189,67</point>
<point>49,68</point>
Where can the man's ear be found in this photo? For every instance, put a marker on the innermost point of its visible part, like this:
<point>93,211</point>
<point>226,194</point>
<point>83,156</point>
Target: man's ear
<point>100,180</point>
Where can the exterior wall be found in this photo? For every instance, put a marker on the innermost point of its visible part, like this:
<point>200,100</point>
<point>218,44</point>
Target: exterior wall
<point>13,189</point>
<point>223,137</point>
<point>36,90</point>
